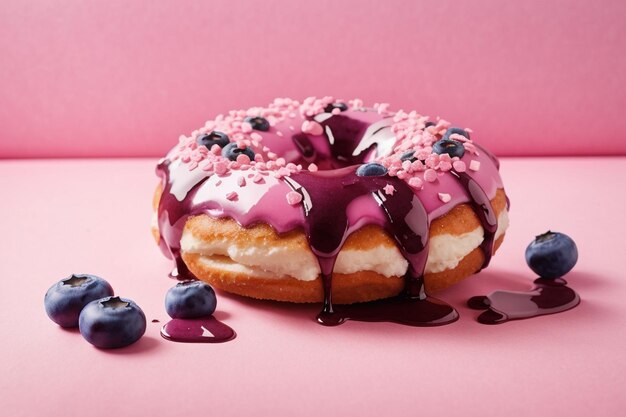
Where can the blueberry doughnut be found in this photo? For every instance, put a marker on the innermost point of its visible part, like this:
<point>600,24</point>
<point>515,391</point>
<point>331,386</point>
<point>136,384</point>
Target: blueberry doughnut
<point>328,200</point>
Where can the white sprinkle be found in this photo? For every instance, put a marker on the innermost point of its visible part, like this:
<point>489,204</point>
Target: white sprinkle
<point>444,197</point>
<point>474,165</point>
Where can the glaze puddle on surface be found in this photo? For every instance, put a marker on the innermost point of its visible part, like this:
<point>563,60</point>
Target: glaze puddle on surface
<point>200,330</point>
<point>548,296</point>
<point>413,308</point>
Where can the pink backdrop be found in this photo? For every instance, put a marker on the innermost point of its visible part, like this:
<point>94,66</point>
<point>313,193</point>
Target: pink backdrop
<point>123,78</point>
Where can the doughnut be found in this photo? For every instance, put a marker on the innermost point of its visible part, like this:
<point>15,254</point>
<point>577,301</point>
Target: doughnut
<point>329,201</point>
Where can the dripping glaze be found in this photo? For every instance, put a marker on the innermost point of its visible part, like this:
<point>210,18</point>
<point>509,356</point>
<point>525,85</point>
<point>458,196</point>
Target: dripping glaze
<point>346,140</point>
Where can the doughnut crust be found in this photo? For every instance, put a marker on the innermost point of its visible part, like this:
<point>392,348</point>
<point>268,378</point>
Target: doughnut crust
<point>356,287</point>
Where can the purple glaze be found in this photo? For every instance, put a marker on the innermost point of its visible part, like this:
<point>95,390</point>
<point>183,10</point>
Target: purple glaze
<point>484,210</point>
<point>548,296</point>
<point>336,203</point>
<point>201,330</point>
<point>326,197</point>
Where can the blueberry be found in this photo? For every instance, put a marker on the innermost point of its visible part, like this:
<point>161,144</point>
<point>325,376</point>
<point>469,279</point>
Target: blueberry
<point>65,299</point>
<point>112,322</point>
<point>455,130</point>
<point>449,146</point>
<point>190,299</point>
<point>213,138</point>
<point>371,170</point>
<point>232,151</point>
<point>332,106</point>
<point>258,123</point>
<point>409,156</point>
<point>551,255</point>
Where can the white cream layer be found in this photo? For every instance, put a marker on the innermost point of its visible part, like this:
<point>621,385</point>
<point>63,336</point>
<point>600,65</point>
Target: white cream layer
<point>445,252</point>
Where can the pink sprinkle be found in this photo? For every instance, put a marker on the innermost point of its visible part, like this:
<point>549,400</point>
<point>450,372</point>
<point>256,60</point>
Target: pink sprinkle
<point>336,111</point>
<point>445,166</point>
<point>383,107</point>
<point>282,172</point>
<point>279,133</point>
<point>312,128</point>
<point>256,136</point>
<point>313,168</point>
<point>258,179</point>
<point>417,166</point>
<point>246,127</point>
<point>294,197</point>
<point>241,144</point>
<point>243,159</point>
<point>241,181</point>
<point>216,150</point>
<point>281,162</point>
<point>469,147</point>
<point>474,165</point>
<point>459,166</point>
<point>271,155</point>
<point>415,182</point>
<point>207,166</point>
<point>217,184</point>
<point>402,174</point>
<point>458,137</point>
<point>356,103</point>
<point>220,167</point>
<point>232,196</point>
<point>444,197</point>
<point>389,189</point>
<point>430,175</point>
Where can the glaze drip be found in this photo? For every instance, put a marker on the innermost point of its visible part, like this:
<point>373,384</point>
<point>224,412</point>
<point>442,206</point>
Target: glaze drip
<point>548,296</point>
<point>327,196</point>
<point>484,210</point>
<point>172,216</point>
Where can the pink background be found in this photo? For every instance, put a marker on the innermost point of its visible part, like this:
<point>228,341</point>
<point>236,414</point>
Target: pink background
<point>125,78</point>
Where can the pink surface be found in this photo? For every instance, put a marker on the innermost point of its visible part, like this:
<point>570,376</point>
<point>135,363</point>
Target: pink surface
<point>93,216</point>
<point>126,78</point>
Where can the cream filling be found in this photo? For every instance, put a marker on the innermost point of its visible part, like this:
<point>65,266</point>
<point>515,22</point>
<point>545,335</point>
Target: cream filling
<point>445,252</point>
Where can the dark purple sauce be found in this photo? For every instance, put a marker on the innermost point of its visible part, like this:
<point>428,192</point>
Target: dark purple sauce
<point>412,308</point>
<point>175,213</point>
<point>326,200</point>
<point>548,296</point>
<point>343,134</point>
<point>484,210</point>
<point>201,330</point>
